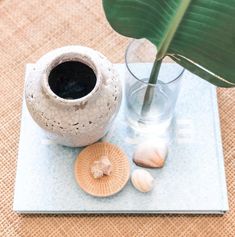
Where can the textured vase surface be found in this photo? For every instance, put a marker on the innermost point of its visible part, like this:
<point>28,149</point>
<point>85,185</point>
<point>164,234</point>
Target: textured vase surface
<point>68,121</point>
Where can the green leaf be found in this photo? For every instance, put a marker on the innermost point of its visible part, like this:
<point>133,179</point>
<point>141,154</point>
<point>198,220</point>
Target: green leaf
<point>201,72</point>
<point>198,34</point>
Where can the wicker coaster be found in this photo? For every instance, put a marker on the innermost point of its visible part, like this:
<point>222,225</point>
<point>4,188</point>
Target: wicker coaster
<point>107,185</point>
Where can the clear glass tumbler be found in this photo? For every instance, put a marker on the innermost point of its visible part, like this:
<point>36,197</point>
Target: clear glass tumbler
<point>139,58</point>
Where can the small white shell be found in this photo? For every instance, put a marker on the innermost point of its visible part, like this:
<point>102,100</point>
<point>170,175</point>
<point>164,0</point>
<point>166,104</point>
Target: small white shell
<point>142,180</point>
<point>101,167</point>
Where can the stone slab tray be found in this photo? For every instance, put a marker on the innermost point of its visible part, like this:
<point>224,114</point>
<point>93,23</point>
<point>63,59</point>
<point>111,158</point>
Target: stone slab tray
<point>192,180</point>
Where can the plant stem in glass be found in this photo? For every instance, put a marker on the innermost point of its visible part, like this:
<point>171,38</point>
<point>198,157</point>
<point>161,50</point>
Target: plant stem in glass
<point>149,94</point>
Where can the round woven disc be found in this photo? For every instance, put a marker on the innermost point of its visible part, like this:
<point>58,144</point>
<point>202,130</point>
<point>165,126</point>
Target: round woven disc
<point>106,185</point>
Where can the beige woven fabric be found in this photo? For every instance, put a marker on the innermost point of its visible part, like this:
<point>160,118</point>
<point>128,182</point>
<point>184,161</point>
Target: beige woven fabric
<point>30,28</point>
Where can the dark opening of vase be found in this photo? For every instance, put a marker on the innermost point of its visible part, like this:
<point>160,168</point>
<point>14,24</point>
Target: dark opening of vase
<point>72,80</point>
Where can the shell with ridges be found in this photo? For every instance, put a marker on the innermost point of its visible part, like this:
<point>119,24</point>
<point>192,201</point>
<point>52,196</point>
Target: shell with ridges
<point>151,154</point>
<point>142,180</point>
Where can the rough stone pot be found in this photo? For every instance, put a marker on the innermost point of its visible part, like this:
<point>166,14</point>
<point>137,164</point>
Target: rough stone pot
<point>73,121</point>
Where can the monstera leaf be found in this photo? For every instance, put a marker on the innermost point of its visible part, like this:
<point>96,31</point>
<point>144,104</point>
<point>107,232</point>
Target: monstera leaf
<point>197,34</point>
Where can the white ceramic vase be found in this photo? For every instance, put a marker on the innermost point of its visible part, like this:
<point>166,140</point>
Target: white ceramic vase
<point>73,93</point>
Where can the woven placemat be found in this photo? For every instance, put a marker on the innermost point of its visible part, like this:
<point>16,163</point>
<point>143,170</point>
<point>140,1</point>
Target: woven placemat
<point>29,29</point>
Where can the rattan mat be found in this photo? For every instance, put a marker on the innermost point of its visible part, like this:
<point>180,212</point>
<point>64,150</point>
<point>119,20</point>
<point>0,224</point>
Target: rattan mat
<point>30,28</point>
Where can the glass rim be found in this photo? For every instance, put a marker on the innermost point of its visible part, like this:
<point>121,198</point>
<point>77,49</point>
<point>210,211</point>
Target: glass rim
<point>151,84</point>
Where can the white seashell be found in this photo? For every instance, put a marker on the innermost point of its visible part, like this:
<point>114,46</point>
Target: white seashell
<point>106,165</point>
<point>151,154</point>
<point>142,180</point>
<point>101,167</point>
<point>96,171</point>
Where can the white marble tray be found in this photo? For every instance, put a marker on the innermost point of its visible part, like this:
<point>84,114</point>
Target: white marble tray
<point>192,180</point>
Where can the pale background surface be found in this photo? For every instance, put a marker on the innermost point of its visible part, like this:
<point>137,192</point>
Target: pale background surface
<point>28,30</point>
<point>191,181</point>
